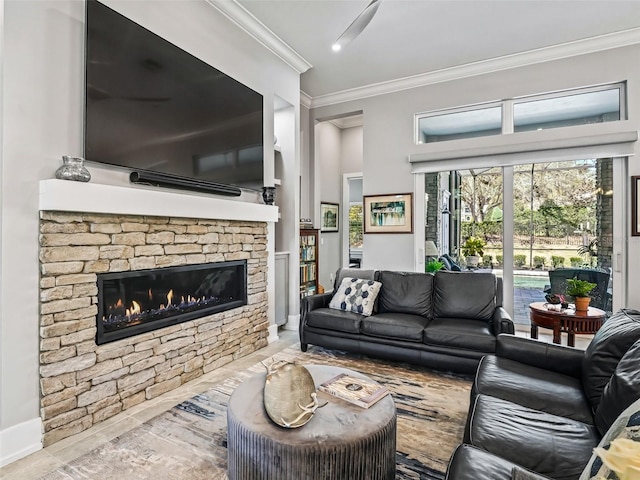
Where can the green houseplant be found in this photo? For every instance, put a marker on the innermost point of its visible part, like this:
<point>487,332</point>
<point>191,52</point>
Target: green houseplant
<point>473,249</point>
<point>580,290</point>
<point>433,266</point>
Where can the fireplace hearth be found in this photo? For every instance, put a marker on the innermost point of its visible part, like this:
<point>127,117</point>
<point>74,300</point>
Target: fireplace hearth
<point>131,303</point>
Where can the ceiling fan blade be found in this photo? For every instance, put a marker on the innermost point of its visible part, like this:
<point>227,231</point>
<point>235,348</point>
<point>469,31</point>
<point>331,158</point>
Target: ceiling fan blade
<point>358,25</point>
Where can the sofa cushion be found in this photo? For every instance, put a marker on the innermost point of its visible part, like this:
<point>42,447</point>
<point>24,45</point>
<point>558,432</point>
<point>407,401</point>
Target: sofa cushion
<point>343,273</point>
<point>621,391</point>
<point>337,320</point>
<point>356,295</point>
<point>555,446</point>
<point>472,463</point>
<point>404,292</point>
<point>606,349</point>
<point>532,387</point>
<point>460,333</point>
<point>395,325</point>
<point>464,295</point>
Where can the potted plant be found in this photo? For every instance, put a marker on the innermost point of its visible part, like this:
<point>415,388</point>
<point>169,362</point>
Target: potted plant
<point>433,266</point>
<point>580,290</point>
<point>472,250</point>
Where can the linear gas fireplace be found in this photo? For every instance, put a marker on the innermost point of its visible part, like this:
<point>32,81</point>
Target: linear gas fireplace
<point>130,303</point>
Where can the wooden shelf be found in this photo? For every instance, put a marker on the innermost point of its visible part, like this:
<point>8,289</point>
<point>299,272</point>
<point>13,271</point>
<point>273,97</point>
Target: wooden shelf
<point>308,261</point>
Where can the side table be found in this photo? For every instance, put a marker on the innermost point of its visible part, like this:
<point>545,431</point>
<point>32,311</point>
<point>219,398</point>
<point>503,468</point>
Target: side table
<point>340,441</point>
<point>569,321</point>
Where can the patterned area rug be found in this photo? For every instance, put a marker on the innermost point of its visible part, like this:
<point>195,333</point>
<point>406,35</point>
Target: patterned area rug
<point>189,441</point>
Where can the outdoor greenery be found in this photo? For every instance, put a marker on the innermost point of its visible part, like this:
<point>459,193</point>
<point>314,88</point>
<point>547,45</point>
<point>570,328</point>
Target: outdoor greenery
<point>473,246</point>
<point>575,261</point>
<point>486,260</point>
<point>355,226</point>
<point>579,288</point>
<point>536,189</point>
<point>519,260</point>
<point>539,261</point>
<point>554,212</point>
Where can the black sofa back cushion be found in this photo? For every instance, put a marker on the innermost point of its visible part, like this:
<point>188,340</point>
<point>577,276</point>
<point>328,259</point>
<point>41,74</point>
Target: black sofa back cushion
<point>606,349</point>
<point>343,273</point>
<point>622,390</point>
<point>405,292</point>
<point>464,295</point>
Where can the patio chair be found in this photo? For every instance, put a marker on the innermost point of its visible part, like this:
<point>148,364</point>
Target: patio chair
<point>600,296</point>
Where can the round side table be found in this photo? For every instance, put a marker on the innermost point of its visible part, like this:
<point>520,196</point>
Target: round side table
<point>569,321</point>
<point>340,441</point>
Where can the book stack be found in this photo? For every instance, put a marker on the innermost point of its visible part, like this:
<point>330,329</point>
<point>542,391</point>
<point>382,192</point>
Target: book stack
<point>363,392</point>
<point>306,223</point>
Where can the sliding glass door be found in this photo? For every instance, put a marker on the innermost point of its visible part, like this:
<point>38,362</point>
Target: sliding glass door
<point>527,221</point>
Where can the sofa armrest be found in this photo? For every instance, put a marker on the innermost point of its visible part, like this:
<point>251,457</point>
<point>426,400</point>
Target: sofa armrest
<point>549,356</point>
<point>502,322</point>
<point>312,302</point>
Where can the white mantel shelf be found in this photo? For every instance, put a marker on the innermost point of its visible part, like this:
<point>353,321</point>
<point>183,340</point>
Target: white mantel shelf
<point>68,196</point>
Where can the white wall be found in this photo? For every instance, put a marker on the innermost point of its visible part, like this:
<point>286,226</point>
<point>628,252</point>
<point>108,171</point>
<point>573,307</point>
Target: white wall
<point>351,150</point>
<point>388,132</point>
<point>42,97</point>
<point>328,147</point>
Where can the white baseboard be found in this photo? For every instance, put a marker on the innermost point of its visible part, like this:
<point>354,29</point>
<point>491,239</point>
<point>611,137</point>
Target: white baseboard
<point>273,333</point>
<point>20,440</point>
<point>293,322</point>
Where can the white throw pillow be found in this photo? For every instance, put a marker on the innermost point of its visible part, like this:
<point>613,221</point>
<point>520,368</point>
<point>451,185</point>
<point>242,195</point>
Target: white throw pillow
<point>356,295</point>
<point>627,425</point>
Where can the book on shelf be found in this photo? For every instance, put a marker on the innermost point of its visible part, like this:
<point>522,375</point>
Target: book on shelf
<point>363,392</point>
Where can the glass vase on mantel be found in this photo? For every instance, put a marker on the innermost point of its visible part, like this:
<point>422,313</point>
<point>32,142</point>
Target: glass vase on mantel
<point>73,168</point>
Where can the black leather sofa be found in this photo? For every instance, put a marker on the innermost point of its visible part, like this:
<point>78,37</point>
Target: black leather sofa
<point>446,321</point>
<point>542,408</point>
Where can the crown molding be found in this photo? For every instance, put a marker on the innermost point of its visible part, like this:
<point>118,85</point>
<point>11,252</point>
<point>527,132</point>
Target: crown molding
<point>254,27</point>
<point>305,99</point>
<point>531,57</point>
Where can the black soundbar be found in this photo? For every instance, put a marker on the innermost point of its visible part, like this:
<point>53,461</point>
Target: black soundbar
<point>183,183</point>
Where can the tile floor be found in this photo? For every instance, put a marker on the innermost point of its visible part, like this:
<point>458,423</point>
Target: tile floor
<point>65,451</point>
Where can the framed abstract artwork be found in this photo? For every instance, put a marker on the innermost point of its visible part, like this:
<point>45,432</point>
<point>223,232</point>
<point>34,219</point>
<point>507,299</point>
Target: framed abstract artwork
<point>388,213</point>
<point>329,218</point>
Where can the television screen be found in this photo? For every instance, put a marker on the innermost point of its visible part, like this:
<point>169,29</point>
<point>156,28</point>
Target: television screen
<point>150,105</point>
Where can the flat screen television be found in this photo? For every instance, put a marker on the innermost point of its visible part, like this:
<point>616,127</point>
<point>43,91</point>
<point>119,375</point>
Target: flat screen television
<point>154,107</point>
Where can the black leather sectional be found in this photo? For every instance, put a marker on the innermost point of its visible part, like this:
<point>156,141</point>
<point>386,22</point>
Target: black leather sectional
<point>446,321</point>
<point>542,408</point>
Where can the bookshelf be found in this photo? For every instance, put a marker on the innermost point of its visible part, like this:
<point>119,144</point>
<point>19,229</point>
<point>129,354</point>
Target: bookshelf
<point>308,262</point>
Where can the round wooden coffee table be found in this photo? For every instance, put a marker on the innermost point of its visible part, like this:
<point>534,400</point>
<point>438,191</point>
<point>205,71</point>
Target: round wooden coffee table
<point>568,321</point>
<point>340,441</point>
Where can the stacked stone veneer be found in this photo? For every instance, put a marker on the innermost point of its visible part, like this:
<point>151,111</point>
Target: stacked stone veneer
<point>82,383</point>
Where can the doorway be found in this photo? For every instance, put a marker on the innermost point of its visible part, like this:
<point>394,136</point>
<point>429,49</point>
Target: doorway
<point>352,254</point>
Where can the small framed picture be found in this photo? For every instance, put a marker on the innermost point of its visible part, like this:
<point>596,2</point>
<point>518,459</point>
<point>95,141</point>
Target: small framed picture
<point>635,206</point>
<point>388,213</point>
<point>329,218</point>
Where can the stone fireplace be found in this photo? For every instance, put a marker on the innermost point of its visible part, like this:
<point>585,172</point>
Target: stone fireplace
<point>130,303</point>
<point>84,381</point>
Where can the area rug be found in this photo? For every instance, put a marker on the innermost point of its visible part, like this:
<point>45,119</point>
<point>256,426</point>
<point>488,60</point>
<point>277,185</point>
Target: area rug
<point>189,441</point>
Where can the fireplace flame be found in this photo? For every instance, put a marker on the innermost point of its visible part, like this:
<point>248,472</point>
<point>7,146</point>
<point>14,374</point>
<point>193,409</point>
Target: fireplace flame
<point>169,297</point>
<point>135,308</point>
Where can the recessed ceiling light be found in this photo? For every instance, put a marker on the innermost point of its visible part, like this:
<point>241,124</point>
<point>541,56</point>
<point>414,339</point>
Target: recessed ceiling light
<point>335,47</point>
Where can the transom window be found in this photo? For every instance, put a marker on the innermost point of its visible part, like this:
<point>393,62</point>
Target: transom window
<point>605,103</point>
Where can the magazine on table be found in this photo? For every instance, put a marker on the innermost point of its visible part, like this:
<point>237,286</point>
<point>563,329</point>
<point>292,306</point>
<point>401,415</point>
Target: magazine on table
<point>359,391</point>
